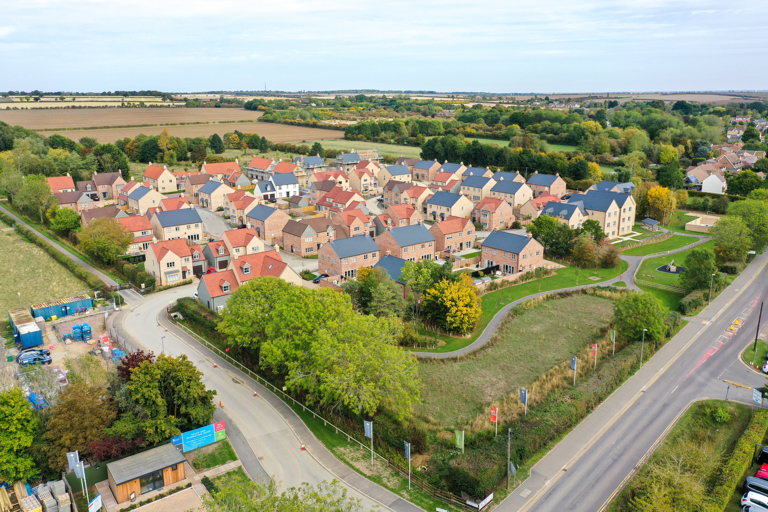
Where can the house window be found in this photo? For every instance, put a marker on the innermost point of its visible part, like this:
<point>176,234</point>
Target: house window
<point>423,245</point>
<point>178,228</point>
<point>449,237</point>
<point>346,261</point>
<point>354,259</point>
<point>186,260</point>
<point>373,255</point>
<point>308,239</point>
<point>193,238</point>
<point>405,249</point>
<point>197,225</point>
<point>538,253</point>
<point>365,256</point>
<point>167,230</point>
<point>525,256</point>
<point>486,249</point>
<point>173,277</point>
<point>221,250</point>
<point>170,264</point>
<point>310,249</point>
<point>246,269</point>
<point>225,288</point>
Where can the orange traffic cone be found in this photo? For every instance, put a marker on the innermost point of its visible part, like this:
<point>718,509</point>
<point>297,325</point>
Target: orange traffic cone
<point>302,446</point>
<point>255,394</point>
<point>215,365</point>
<point>220,405</point>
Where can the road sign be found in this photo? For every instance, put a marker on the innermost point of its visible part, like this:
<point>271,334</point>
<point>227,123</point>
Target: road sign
<point>757,395</point>
<point>368,429</point>
<point>407,450</point>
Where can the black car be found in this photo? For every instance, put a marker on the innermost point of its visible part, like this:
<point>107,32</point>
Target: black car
<point>318,278</point>
<point>39,351</point>
<point>30,359</point>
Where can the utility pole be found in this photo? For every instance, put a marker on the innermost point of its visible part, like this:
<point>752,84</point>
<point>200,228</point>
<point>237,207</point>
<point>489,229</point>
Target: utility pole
<point>509,444</point>
<point>760,316</point>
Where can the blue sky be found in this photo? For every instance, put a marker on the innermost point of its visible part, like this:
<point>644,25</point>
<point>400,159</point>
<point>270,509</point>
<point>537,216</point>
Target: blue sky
<point>495,46</point>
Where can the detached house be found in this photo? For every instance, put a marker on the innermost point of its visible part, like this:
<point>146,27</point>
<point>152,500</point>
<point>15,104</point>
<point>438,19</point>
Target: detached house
<point>259,168</point>
<point>343,257</point>
<point>412,243</point>
<point>494,213</point>
<point>74,201</point>
<point>193,182</point>
<point>602,209</point>
<point>549,183</point>
<point>141,229</point>
<point>627,209</point>
<point>477,187</point>
<point>88,187</point>
<point>511,253</point>
<point>352,223</point>
<point>212,194</point>
<point>445,204</point>
<point>174,203</point>
<point>338,200</point>
<point>318,189</point>
<point>160,178</point>
<point>59,184</point>
<point>455,170</point>
<point>233,244</point>
<point>393,172</point>
<point>238,204</point>
<point>173,261</point>
<point>339,177</point>
<point>306,237</point>
<point>415,196</point>
<point>268,223</point>
<point>141,199</point>
<point>112,212</point>
<point>363,179</point>
<point>393,191</point>
<point>572,214</point>
<point>286,184</point>
<point>219,169</point>
<point>426,170</point>
<point>397,216</point>
<point>108,184</point>
<point>185,223</point>
<point>532,208</point>
<point>453,234</point>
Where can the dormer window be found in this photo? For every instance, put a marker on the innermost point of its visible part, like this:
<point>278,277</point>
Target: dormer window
<point>225,287</point>
<point>196,256</point>
<point>221,250</point>
<point>246,269</point>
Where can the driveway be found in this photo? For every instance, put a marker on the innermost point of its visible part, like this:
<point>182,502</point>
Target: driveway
<point>373,206</point>
<point>297,263</point>
<point>214,223</point>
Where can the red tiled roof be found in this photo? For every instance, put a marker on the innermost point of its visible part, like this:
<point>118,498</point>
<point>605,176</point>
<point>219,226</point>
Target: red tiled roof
<point>365,163</point>
<point>136,223</point>
<point>348,216</point>
<point>492,203</point>
<point>263,264</point>
<point>416,191</point>
<point>362,171</point>
<point>284,167</point>
<point>153,172</point>
<point>221,168</point>
<point>330,175</point>
<point>146,238</point>
<point>59,183</point>
<point>215,282</point>
<point>214,247</point>
<point>174,203</point>
<point>402,211</point>
<point>178,247</point>
<point>443,177</point>
<point>240,237</point>
<point>260,163</point>
<point>128,187</point>
<point>452,225</point>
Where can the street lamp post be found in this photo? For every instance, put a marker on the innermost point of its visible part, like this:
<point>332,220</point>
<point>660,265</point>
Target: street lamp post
<point>711,281</point>
<point>642,346</point>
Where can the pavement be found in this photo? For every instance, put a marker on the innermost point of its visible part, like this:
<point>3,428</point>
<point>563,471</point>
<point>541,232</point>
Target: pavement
<point>272,431</point>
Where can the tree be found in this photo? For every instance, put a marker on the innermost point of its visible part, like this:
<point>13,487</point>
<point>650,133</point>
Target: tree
<point>637,311</point>
<point>198,153</point>
<point>375,293</point>
<point>217,145</point>
<point>105,239</point>
<point>131,361</point>
<point>699,267</point>
<point>760,194</point>
<point>173,397</point>
<point>754,213</point>
<point>744,183</point>
<point>761,165</point>
<point>234,141</point>
<point>750,134</point>
<point>593,229</point>
<point>732,239</point>
<point>584,251</point>
<point>317,149</point>
<point>63,220</point>
<point>18,424</point>
<point>661,204</point>
<point>671,176</point>
<point>111,159</point>
<point>668,155</point>
<point>11,183</point>
<point>555,236</point>
<point>148,150</point>
<point>454,306</point>
<point>423,275</point>
<point>607,254</point>
<point>35,195</point>
<point>237,494</point>
<point>80,418</point>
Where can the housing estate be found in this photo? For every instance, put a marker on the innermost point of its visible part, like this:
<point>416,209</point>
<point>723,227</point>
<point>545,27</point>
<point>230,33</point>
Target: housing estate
<point>344,257</point>
<point>494,213</point>
<point>550,183</point>
<point>185,223</point>
<point>412,243</point>
<point>511,253</point>
<point>453,234</point>
<point>143,234</point>
<point>268,223</point>
<point>212,194</point>
<point>445,204</point>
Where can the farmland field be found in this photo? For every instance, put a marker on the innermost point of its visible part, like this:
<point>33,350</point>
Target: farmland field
<point>455,392</point>
<point>384,149</point>
<point>35,274</point>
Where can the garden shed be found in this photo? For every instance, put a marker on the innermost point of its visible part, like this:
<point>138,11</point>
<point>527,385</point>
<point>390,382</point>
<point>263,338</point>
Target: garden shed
<point>144,472</point>
<point>62,307</point>
<point>651,224</point>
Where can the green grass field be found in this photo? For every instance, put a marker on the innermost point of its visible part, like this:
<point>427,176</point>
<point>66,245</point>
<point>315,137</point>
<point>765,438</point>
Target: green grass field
<point>670,244</point>
<point>670,299</point>
<point>749,354</point>
<point>696,430</point>
<point>214,455</point>
<point>492,302</point>
<point>454,392</point>
<point>35,275</point>
<point>562,147</point>
<point>678,222</point>
<point>384,149</point>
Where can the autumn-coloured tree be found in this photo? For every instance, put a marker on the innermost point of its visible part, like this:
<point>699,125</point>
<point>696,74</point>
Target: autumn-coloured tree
<point>234,141</point>
<point>105,239</point>
<point>454,306</point>
<point>661,204</point>
<point>131,361</point>
<point>585,251</point>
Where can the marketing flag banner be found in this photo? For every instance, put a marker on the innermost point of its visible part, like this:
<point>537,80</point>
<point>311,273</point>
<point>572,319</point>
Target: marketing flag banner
<point>407,450</point>
<point>459,439</point>
<point>368,425</point>
<point>573,363</point>
<point>594,350</point>
<point>494,412</point>
<point>524,396</point>
<point>79,471</point>
<point>95,504</point>
<point>72,458</point>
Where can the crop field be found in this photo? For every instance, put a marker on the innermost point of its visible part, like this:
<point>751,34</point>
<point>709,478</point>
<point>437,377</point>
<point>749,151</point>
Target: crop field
<point>56,102</point>
<point>384,149</point>
<point>454,392</point>
<point>35,274</point>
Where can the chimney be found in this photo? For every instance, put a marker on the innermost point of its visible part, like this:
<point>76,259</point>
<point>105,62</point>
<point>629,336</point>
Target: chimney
<point>388,252</point>
<point>535,172</point>
<point>150,163</point>
<point>557,174</point>
<point>68,176</point>
<point>248,225</point>
<point>277,248</point>
<point>530,236</point>
<point>517,172</point>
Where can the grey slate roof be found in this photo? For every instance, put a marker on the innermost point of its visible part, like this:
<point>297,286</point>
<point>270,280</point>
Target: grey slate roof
<point>424,164</point>
<point>563,210</point>
<point>450,167</point>
<point>620,198</point>
<point>197,179</point>
<point>69,197</point>
<point>210,187</point>
<point>354,246</point>
<point>412,235</point>
<point>138,193</point>
<point>605,186</point>
<point>281,179</point>
<point>505,176</point>
<point>262,187</point>
<point>509,242</point>
<point>474,171</point>
<point>261,212</point>
<point>543,180</point>
<point>650,222</point>
<point>135,466</point>
<point>598,203</point>
<point>506,187</point>
<point>447,199</point>
<point>178,217</point>
<point>475,181</point>
<point>393,265</point>
<point>350,158</point>
<point>309,161</point>
<point>398,170</point>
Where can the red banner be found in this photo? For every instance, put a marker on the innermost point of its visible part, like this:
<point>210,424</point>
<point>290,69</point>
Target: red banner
<point>493,414</point>
<point>594,350</point>
<point>219,426</point>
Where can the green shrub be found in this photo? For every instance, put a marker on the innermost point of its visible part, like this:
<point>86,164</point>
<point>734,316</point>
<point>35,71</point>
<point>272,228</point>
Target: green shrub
<point>740,459</point>
<point>733,267</point>
<point>693,301</point>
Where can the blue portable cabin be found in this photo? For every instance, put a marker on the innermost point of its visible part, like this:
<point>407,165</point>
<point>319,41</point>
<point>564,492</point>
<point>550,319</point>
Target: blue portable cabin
<point>87,336</point>
<point>62,307</point>
<point>25,331</point>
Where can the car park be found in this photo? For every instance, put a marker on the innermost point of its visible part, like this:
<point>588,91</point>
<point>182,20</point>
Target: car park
<point>753,498</point>
<point>756,484</point>
<point>30,359</point>
<point>762,473</point>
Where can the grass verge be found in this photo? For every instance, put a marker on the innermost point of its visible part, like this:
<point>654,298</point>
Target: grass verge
<point>678,221</point>
<point>220,453</point>
<point>759,358</point>
<point>670,244</point>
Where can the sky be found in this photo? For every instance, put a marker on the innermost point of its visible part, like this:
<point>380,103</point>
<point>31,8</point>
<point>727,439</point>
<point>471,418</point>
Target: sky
<point>507,46</point>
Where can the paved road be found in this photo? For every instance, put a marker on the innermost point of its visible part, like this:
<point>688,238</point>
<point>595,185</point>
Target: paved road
<point>214,223</point>
<point>87,266</point>
<point>585,469</point>
<point>270,428</point>
<point>297,263</point>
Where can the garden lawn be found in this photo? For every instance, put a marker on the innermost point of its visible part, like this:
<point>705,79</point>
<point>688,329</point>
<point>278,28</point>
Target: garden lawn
<point>454,392</point>
<point>383,149</point>
<point>34,273</point>
<point>670,244</point>
<point>216,455</point>
<point>492,302</point>
<point>698,427</point>
<point>678,222</point>
<point>670,299</point>
<point>762,353</point>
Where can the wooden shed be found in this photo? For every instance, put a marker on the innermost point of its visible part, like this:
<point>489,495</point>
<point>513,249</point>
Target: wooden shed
<point>145,472</point>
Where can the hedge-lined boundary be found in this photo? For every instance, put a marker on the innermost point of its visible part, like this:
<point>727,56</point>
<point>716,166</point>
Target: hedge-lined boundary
<point>740,459</point>
<point>135,275</point>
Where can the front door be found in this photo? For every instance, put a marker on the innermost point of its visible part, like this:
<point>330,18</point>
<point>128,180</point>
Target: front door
<point>183,274</point>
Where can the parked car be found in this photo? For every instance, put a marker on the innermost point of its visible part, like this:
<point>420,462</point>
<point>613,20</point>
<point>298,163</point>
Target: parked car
<point>753,498</point>
<point>765,367</point>
<point>319,278</point>
<point>211,270</point>
<point>195,295</point>
<point>762,473</point>
<point>30,359</point>
<point>40,351</point>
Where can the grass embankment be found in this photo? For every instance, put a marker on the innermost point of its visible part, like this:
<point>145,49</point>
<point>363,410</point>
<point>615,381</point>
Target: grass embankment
<point>704,436</point>
<point>214,455</point>
<point>35,277</point>
<point>749,355</point>
<point>536,341</point>
<point>492,302</point>
<point>670,244</point>
<point>662,285</point>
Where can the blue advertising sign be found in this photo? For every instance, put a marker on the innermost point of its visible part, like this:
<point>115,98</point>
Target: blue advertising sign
<point>203,436</point>
<point>573,363</point>
<point>523,396</point>
<point>407,450</point>
<point>176,440</point>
